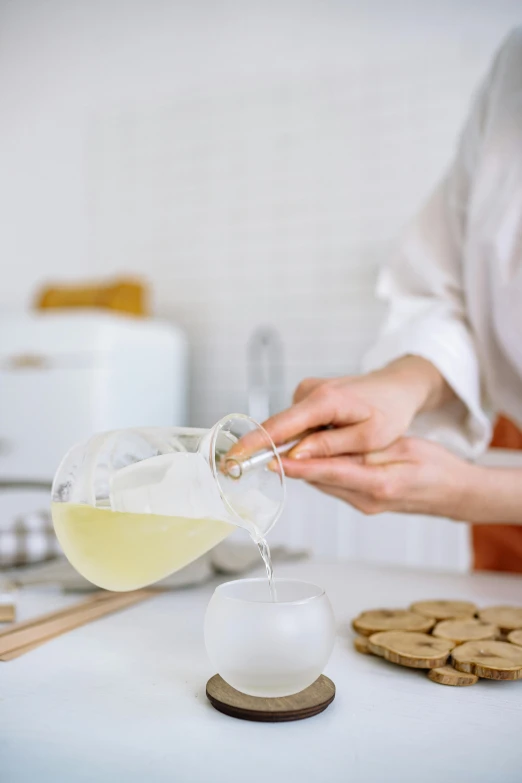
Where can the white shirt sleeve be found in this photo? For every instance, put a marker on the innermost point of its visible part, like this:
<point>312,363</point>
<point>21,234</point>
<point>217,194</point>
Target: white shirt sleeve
<point>423,285</point>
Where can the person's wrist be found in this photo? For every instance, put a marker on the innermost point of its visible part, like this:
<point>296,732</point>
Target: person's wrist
<point>470,489</point>
<point>416,379</point>
<point>491,495</point>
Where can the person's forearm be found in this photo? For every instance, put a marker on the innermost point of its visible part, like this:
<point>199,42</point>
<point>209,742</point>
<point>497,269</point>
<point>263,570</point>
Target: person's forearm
<point>425,383</point>
<point>491,495</point>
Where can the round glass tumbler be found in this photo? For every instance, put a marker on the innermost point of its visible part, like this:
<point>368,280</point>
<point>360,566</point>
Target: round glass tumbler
<point>266,648</point>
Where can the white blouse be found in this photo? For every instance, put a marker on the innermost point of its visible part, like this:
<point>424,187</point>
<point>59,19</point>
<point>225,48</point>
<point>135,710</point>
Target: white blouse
<point>455,286</point>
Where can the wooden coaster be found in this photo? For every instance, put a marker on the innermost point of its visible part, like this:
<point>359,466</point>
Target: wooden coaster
<point>406,648</point>
<point>515,637</point>
<point>507,618</point>
<point>468,630</point>
<point>490,660</point>
<point>444,610</point>
<point>305,704</point>
<point>362,645</point>
<point>447,675</point>
<point>368,623</point>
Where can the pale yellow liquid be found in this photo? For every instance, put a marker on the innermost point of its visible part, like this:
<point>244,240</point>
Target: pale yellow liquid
<point>123,551</point>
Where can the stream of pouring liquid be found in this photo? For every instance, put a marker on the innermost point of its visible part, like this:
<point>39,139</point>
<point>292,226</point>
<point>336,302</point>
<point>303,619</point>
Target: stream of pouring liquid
<point>264,550</point>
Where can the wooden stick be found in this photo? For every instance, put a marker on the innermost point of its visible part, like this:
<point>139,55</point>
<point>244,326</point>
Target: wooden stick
<point>95,597</point>
<point>26,636</point>
<point>35,632</point>
<point>9,656</point>
<point>100,595</point>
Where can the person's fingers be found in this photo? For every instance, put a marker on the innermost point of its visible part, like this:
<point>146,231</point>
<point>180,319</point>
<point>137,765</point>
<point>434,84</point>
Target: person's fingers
<point>323,407</point>
<point>352,439</point>
<point>306,387</point>
<point>384,484</point>
<point>345,472</point>
<point>252,442</point>
<point>303,416</point>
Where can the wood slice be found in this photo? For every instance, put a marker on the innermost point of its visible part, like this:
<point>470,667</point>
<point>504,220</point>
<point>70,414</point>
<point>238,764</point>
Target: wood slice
<point>376,620</point>
<point>515,637</point>
<point>490,660</point>
<point>7,613</point>
<point>507,618</point>
<point>444,610</point>
<point>447,675</point>
<point>361,644</point>
<point>416,650</point>
<point>305,704</point>
<point>459,631</point>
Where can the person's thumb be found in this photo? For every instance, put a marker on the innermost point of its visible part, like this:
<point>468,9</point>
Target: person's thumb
<point>351,439</point>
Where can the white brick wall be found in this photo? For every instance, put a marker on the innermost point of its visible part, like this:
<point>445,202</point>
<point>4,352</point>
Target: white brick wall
<point>273,203</point>
<point>256,161</point>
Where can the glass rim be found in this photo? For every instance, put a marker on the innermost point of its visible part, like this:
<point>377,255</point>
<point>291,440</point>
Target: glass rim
<point>216,429</point>
<point>278,581</point>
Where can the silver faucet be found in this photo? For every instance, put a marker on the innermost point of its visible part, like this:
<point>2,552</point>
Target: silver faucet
<point>265,377</point>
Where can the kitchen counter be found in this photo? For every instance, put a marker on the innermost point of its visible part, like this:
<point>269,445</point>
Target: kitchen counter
<point>123,699</point>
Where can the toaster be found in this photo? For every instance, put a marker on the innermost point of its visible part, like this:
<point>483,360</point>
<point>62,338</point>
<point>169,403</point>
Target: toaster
<point>67,374</point>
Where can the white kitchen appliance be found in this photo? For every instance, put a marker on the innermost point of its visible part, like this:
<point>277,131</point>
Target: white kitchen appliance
<point>66,375</point>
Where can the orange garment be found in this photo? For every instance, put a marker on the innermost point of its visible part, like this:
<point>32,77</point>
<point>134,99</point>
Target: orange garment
<point>124,295</point>
<point>499,547</point>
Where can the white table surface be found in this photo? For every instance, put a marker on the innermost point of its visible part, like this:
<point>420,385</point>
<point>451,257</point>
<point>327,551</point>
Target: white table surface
<point>123,699</point>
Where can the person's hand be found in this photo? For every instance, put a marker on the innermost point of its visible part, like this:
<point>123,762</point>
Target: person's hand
<point>411,476</point>
<point>361,414</point>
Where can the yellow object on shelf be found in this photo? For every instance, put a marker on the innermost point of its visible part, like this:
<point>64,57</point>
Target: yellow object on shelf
<point>7,613</point>
<point>125,295</point>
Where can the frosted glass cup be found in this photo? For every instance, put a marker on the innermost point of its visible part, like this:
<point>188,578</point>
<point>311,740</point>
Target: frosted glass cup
<point>266,648</point>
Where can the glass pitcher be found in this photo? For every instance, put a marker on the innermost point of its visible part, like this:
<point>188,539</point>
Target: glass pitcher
<point>132,506</point>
